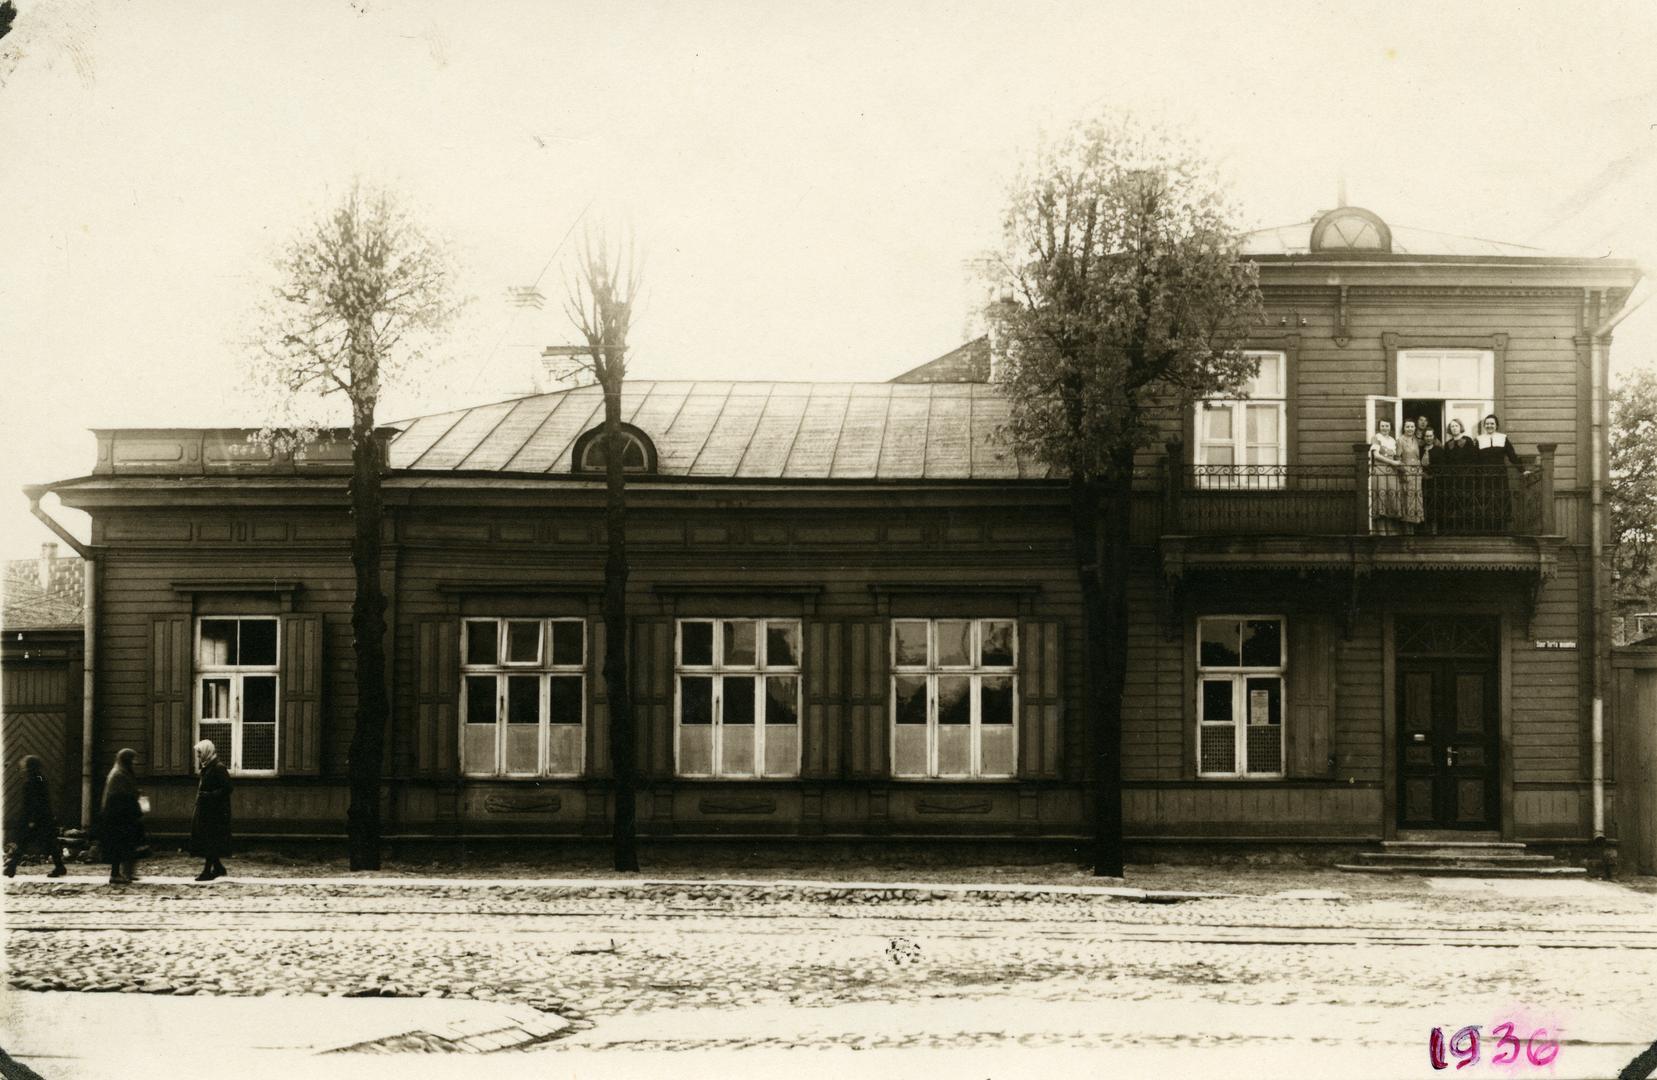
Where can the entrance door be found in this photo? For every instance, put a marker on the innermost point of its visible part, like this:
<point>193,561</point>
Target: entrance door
<point>1447,730</point>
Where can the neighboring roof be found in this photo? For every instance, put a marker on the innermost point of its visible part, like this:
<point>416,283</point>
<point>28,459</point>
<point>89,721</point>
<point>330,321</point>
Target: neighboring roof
<point>777,430</point>
<point>969,363</point>
<point>1296,239</point>
<point>26,605</point>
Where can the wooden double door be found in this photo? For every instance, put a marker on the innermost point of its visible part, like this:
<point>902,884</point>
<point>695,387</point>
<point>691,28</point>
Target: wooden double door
<point>1449,741</point>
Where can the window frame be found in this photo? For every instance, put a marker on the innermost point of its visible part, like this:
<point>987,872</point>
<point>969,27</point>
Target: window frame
<point>1239,443</point>
<point>759,672</point>
<point>543,670</point>
<point>1238,675</point>
<point>237,674</point>
<point>975,672</point>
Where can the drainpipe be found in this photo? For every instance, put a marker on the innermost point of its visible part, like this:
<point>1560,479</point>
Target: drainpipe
<point>89,632</point>
<point>1599,363</point>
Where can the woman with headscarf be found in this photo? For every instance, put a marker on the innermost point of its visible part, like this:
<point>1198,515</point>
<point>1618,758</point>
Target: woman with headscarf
<point>210,828</point>
<point>121,820</point>
<point>37,828</point>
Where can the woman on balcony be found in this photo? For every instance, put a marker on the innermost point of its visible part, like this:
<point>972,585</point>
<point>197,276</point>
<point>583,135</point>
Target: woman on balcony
<point>1451,495</point>
<point>1494,454</point>
<point>1409,478</point>
<point>1383,480</point>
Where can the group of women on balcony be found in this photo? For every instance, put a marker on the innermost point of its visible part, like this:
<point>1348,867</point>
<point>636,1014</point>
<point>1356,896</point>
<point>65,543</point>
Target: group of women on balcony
<point>1457,484</point>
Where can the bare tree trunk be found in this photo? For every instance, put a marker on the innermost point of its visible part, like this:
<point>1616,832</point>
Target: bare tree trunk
<point>1102,570</point>
<point>368,642</point>
<point>624,824</point>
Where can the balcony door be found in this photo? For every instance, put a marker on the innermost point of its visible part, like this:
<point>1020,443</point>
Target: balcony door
<point>1448,724</point>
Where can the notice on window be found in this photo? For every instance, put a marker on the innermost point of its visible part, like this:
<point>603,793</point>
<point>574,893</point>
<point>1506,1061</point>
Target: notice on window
<point>1260,707</point>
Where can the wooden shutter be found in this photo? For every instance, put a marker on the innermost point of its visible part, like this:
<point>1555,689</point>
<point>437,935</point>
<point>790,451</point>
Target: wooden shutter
<point>1310,690</point>
<point>868,647</point>
<point>170,696</point>
<point>825,699</point>
<point>1041,697</point>
<point>598,702</point>
<point>437,696</point>
<point>653,696</point>
<point>301,690</point>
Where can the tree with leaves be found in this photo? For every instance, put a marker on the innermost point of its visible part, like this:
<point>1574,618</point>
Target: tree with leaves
<point>1633,489</point>
<point>361,294</point>
<point>1122,292</point>
<point>599,297</point>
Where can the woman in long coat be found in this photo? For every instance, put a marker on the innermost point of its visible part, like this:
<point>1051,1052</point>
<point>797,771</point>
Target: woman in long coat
<point>210,828</point>
<point>37,828</point>
<point>1454,499</point>
<point>120,820</point>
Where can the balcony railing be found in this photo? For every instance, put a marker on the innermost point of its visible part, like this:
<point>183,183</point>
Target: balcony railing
<point>1346,500</point>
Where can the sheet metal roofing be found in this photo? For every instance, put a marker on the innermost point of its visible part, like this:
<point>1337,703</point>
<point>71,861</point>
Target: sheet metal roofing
<point>1296,239</point>
<point>760,430</point>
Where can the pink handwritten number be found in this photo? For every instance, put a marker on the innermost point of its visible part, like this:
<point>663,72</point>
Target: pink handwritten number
<point>1435,1049</point>
<point>1543,1053</point>
<point>1464,1044</point>
<point>1506,1044</point>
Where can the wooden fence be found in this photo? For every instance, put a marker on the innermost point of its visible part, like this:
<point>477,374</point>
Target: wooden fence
<point>1635,749</point>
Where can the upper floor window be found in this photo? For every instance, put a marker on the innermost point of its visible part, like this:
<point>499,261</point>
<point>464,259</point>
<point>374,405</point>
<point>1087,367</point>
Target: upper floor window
<point>954,697</point>
<point>1246,436</point>
<point>1240,665</point>
<point>523,696</point>
<point>739,697</point>
<point>236,690</point>
<point>591,451</point>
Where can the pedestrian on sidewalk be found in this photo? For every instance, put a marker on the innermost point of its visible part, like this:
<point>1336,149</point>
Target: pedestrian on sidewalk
<point>121,820</point>
<point>210,828</point>
<point>36,828</point>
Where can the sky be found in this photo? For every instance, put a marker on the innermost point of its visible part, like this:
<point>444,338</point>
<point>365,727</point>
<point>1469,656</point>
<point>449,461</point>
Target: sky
<point>809,180</point>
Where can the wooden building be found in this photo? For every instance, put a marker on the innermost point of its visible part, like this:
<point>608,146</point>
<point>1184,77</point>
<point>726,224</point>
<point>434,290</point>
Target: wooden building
<point>855,613</point>
<point>40,676</point>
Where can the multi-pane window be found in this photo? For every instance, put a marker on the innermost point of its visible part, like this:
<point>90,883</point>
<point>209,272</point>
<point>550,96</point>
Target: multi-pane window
<point>236,690</point>
<point>954,697</point>
<point>739,697</point>
<point>1240,662</point>
<point>1251,432</point>
<point>523,696</point>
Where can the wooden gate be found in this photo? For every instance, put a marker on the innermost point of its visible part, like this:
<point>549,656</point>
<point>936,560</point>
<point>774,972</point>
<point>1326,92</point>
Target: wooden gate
<point>40,714</point>
<point>1634,760</point>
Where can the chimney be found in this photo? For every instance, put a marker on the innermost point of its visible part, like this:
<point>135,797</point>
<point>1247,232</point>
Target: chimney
<point>48,555</point>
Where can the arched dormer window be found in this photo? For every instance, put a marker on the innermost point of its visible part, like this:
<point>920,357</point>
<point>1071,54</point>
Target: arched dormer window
<point>1351,228</point>
<point>638,453</point>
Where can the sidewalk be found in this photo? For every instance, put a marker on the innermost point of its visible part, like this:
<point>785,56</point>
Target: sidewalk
<point>85,1034</point>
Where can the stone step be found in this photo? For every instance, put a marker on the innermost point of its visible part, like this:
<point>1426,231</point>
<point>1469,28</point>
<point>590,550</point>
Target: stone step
<point>1451,845</point>
<point>1467,871</point>
<point>1423,858</point>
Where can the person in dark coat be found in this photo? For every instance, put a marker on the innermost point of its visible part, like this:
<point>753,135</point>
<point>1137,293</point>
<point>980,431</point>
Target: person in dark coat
<point>1449,466</point>
<point>1493,457</point>
<point>121,820</point>
<point>37,828</point>
<point>210,828</point>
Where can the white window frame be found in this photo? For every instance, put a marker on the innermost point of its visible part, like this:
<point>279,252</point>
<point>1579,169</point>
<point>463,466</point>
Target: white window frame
<point>1239,676</point>
<point>1251,399</point>
<point>236,674</point>
<point>975,671</point>
<point>543,669</point>
<point>718,671</point>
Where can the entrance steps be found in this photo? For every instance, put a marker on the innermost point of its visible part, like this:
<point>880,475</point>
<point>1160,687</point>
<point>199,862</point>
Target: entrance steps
<point>1459,858</point>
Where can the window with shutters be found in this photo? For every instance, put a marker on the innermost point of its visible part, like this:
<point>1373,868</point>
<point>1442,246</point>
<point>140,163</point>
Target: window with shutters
<point>738,697</point>
<point>954,697</point>
<point>1243,442</point>
<point>1240,707</point>
<point>236,684</point>
<point>523,697</point>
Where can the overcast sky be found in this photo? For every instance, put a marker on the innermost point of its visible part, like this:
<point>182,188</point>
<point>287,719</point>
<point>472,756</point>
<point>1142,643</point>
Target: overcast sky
<point>808,178</point>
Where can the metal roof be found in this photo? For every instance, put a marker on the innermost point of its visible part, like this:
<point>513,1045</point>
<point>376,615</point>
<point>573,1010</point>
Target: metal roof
<point>773,430</point>
<point>1296,239</point>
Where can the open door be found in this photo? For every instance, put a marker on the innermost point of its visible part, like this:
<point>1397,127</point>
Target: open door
<point>1469,411</point>
<point>1378,407</point>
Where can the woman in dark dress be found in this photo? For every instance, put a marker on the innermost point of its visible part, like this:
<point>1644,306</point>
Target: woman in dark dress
<point>1452,494</point>
<point>120,820</point>
<point>37,829</point>
<point>210,828</point>
<point>1493,457</point>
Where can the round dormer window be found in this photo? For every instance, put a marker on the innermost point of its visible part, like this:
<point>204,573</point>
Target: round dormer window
<point>1350,228</point>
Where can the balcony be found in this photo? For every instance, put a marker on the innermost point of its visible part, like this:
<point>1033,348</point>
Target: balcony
<point>1341,500</point>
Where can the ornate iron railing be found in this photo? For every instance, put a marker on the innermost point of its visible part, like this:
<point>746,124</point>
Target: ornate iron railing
<point>1358,499</point>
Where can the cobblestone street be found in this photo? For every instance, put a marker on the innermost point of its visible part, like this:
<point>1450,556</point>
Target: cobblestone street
<point>741,967</point>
